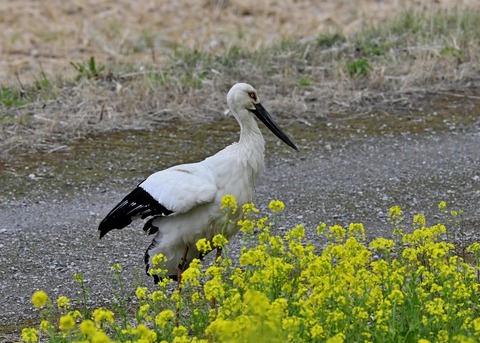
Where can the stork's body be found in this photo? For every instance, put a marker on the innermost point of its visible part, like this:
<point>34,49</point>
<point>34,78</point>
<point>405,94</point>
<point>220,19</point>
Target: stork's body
<point>184,201</point>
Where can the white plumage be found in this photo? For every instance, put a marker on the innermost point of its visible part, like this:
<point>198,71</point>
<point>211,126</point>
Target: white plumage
<point>183,202</point>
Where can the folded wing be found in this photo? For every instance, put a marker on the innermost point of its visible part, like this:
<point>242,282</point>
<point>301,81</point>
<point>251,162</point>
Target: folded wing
<point>171,191</point>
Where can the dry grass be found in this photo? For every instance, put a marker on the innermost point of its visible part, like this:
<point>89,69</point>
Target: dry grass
<point>178,64</point>
<point>49,34</point>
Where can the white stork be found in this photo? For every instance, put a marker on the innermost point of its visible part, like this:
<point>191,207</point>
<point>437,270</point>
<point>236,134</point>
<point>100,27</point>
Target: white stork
<point>183,202</point>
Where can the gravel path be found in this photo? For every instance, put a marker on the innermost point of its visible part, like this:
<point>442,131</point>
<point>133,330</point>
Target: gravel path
<point>43,243</point>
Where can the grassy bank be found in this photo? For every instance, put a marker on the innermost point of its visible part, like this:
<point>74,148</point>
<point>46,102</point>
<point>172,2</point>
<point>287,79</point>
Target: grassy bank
<point>396,66</point>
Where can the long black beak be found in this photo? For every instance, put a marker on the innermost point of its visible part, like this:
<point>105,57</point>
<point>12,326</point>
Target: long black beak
<point>265,117</point>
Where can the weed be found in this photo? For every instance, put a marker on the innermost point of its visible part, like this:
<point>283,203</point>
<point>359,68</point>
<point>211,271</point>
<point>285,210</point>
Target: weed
<point>304,81</point>
<point>458,54</point>
<point>149,39</point>
<point>330,39</point>
<point>359,67</point>
<point>12,97</point>
<point>90,70</point>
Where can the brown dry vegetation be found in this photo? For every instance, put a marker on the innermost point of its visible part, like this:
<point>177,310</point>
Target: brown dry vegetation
<point>49,34</point>
<point>167,60</point>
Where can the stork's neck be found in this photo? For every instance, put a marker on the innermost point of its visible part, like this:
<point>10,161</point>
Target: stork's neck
<point>251,137</point>
<point>251,146</point>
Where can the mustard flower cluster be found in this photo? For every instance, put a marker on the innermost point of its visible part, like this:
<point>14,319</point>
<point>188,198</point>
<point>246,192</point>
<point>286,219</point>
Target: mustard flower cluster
<point>284,288</point>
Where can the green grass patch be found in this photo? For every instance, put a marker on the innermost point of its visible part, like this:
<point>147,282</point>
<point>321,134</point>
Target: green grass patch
<point>417,28</point>
<point>89,70</point>
<point>20,95</point>
<point>304,81</point>
<point>330,39</point>
<point>10,96</point>
<point>284,288</point>
<point>359,67</point>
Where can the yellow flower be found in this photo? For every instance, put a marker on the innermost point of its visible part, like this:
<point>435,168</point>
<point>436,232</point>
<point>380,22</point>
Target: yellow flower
<point>180,331</point>
<point>380,267</point>
<point>395,213</point>
<point>100,315</point>
<point>474,249</point>
<point>163,318</point>
<point>158,260</point>
<point>262,223</point>
<point>238,278</point>
<point>356,230</point>
<point>45,325</point>
<point>87,327</point>
<point>29,335</point>
<point>382,244</point>
<point>246,226</point>
<point>67,322</point>
<point>442,205</point>
<point>116,268</point>
<point>192,273</point>
<point>298,232</point>
<point>229,202</point>
<point>40,299</point>
<point>247,208</point>
<point>360,313</point>
<point>158,296</point>
<point>195,297</point>
<point>422,340</point>
<point>276,206</point>
<point>419,221</point>
<point>214,288</point>
<point>337,233</point>
<point>63,303</point>
<point>143,310</point>
<point>321,229</point>
<point>100,337</point>
<point>75,314</point>
<point>146,334</point>
<point>435,307</point>
<point>396,296</point>
<point>204,246</point>
<point>463,339</point>
<point>78,277</point>
<point>219,241</point>
<point>158,264</point>
<point>409,254</point>
<point>442,336</point>
<point>338,338</point>
<point>476,325</point>
<point>317,331</point>
<point>276,242</point>
<point>141,292</point>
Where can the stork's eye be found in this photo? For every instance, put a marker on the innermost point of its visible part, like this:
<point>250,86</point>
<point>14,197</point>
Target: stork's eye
<point>252,95</point>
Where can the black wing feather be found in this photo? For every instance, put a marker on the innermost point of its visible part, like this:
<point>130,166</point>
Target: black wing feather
<point>137,203</point>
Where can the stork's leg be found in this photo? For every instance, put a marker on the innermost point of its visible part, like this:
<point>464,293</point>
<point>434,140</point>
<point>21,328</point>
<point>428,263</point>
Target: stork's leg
<point>217,256</point>
<point>180,268</point>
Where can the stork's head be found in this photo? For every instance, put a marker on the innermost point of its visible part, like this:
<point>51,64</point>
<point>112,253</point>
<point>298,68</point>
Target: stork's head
<point>243,98</point>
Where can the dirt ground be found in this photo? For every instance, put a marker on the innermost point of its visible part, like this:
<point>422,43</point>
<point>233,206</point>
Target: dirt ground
<point>48,34</point>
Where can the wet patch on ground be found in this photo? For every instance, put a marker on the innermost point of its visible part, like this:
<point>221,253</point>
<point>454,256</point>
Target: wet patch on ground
<point>118,157</point>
